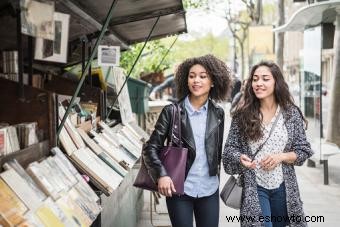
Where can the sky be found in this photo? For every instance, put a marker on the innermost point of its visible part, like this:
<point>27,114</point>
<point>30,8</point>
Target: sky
<point>200,23</point>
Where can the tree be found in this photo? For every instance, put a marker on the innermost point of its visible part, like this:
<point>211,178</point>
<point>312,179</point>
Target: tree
<point>239,24</point>
<point>149,61</point>
<point>280,35</point>
<point>208,44</point>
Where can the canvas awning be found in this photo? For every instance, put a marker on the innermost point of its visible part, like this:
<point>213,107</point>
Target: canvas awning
<point>311,15</point>
<point>131,21</point>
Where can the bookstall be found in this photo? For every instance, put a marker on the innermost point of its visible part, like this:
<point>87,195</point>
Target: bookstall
<point>64,161</point>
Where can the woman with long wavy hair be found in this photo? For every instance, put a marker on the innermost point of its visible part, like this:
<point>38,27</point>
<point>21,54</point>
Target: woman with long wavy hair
<point>269,176</point>
<point>201,82</point>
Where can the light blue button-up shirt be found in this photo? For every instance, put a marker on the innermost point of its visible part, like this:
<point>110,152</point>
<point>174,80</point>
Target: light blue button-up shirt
<point>198,182</point>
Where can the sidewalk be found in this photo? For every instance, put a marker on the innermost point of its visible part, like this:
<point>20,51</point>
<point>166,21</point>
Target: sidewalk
<point>318,199</point>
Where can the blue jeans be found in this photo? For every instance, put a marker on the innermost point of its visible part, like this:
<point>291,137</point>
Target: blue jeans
<point>274,206</point>
<point>181,210</point>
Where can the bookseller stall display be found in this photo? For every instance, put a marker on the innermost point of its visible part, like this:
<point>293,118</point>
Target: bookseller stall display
<point>46,179</point>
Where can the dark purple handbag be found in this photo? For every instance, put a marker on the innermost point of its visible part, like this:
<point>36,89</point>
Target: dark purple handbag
<point>173,159</point>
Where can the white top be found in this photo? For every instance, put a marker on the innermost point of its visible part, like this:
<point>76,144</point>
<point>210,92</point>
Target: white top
<point>275,145</point>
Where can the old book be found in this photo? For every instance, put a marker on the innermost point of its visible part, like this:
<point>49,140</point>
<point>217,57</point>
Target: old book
<point>13,138</point>
<point>111,174</point>
<point>67,142</point>
<point>131,136</point>
<point>133,126</point>
<point>90,209</point>
<point>97,169</point>
<point>113,163</point>
<point>55,173</point>
<point>6,141</point>
<point>72,209</point>
<point>32,219</point>
<point>59,155</point>
<point>10,205</point>
<point>21,189</point>
<point>134,150</point>
<point>3,141</point>
<point>70,128</point>
<point>58,213</point>
<point>47,217</point>
<point>98,182</point>
<point>114,151</point>
<point>132,132</point>
<point>4,222</point>
<point>43,181</point>
<point>112,146</point>
<point>27,133</point>
<point>21,171</point>
<point>89,142</point>
<point>83,193</point>
<point>68,179</point>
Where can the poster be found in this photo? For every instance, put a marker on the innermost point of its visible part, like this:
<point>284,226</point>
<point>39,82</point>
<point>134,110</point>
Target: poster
<point>56,50</point>
<point>108,55</point>
<point>37,18</point>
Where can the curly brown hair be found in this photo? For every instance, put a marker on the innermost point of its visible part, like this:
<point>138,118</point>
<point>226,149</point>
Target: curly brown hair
<point>248,115</point>
<point>218,71</point>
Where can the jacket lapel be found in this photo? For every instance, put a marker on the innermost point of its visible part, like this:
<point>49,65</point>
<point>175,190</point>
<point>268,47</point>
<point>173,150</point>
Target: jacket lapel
<point>212,119</point>
<point>187,134</point>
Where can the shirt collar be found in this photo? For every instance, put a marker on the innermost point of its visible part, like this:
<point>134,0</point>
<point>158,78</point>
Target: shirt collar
<point>190,109</point>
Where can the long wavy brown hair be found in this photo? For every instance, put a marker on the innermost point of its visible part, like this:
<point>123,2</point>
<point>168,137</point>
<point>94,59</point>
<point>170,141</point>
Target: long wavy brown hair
<point>218,71</point>
<point>248,115</point>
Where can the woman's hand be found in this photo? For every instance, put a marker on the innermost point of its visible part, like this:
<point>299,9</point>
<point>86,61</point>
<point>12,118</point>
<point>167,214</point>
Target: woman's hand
<point>271,161</point>
<point>247,162</point>
<point>165,186</point>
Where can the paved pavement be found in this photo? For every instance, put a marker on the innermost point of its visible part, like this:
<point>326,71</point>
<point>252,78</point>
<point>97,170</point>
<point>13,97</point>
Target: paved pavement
<point>319,200</point>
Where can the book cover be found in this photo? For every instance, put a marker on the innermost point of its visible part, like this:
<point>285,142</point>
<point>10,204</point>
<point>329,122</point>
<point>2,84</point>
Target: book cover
<point>21,171</point>
<point>43,181</point>
<point>11,207</point>
<point>67,142</point>
<point>21,188</point>
<point>13,138</point>
<point>2,141</point>
<point>59,155</point>
<point>97,169</point>
<point>47,217</point>
<point>72,210</point>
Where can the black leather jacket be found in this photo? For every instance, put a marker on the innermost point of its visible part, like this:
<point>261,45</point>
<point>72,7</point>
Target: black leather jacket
<point>213,140</point>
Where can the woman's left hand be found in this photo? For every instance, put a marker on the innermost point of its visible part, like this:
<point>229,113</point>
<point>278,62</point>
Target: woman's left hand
<point>270,162</point>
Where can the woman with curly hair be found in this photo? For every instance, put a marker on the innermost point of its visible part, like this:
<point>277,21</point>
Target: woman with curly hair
<point>200,82</point>
<point>269,176</point>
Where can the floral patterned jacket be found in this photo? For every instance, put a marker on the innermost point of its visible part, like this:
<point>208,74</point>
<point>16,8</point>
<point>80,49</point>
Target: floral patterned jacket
<point>297,142</point>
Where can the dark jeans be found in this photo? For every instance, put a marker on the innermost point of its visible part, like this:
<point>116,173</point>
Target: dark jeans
<point>181,210</point>
<point>274,206</point>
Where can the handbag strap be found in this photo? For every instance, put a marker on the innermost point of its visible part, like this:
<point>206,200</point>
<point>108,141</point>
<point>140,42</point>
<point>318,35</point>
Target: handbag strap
<point>271,131</point>
<point>175,125</point>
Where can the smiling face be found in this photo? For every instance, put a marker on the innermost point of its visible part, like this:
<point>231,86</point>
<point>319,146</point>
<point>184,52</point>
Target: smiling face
<point>263,83</point>
<point>199,82</point>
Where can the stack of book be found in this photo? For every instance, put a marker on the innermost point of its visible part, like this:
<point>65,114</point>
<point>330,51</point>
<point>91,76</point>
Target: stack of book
<point>48,193</point>
<point>16,137</point>
<point>10,65</point>
<point>105,155</point>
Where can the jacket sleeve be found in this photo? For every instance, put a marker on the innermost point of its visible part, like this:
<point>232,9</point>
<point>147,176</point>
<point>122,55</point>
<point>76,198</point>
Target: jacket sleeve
<point>153,146</point>
<point>221,133</point>
<point>300,144</point>
<point>232,150</point>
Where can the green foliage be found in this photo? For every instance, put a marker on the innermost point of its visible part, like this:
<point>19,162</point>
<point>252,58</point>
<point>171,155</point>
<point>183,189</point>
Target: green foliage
<point>208,44</point>
<point>194,4</point>
<point>149,61</point>
<point>183,49</point>
<point>269,13</point>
